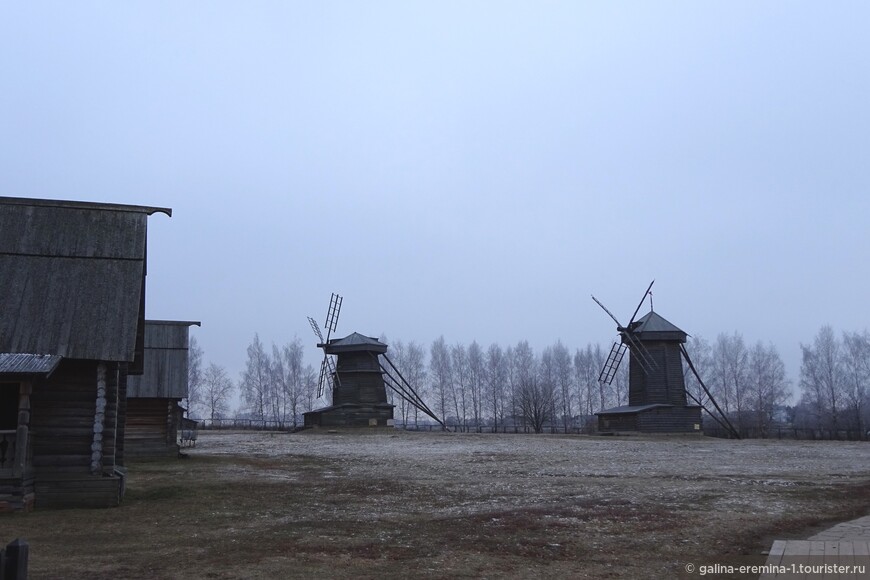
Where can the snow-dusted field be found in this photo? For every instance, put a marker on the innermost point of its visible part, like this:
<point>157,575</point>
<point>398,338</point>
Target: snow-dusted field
<point>622,503</point>
<point>392,504</point>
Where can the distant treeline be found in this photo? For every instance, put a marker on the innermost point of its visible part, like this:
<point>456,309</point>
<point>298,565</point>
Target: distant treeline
<point>509,388</point>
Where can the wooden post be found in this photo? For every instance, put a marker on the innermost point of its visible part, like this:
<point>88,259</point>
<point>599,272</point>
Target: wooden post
<point>17,554</point>
<point>99,421</point>
<point>22,432</point>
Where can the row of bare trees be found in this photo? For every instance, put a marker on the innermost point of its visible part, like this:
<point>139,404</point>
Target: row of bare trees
<point>835,382</point>
<point>500,387</point>
<point>275,387</point>
<point>210,391</point>
<point>748,382</point>
<point>496,386</point>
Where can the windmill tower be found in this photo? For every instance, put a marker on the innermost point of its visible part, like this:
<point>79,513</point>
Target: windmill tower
<point>657,396</point>
<point>353,368</point>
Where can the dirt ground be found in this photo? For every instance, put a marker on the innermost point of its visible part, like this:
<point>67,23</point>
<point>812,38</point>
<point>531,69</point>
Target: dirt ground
<point>440,505</point>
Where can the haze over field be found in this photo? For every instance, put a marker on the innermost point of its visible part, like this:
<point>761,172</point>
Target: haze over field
<point>471,170</point>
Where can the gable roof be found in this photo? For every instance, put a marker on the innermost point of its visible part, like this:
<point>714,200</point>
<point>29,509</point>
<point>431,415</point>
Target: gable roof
<point>72,278</point>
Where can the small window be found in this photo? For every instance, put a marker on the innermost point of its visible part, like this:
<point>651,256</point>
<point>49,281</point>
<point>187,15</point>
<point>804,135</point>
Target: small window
<point>8,406</point>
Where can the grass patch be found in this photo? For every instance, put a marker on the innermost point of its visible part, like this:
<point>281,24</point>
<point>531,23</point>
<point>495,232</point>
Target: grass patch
<point>337,508</point>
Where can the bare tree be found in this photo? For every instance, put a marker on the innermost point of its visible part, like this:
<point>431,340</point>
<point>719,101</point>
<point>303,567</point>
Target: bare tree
<point>822,378</point>
<point>563,376</point>
<point>525,369</point>
<point>701,354</point>
<point>730,370</point>
<point>496,377</point>
<point>476,374</point>
<point>217,388</point>
<point>440,374</point>
<point>548,381</point>
<point>195,401</point>
<point>586,372</point>
<point>856,368</point>
<point>277,399</point>
<point>536,402</point>
<point>398,357</point>
<point>414,371</point>
<point>767,384</point>
<point>512,407</point>
<point>459,384</point>
<point>606,396</point>
<point>256,380</point>
<point>291,359</point>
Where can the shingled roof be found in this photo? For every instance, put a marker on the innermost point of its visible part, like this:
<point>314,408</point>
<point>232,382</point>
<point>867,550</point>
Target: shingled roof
<point>72,278</point>
<point>653,326</point>
<point>28,364</point>
<point>355,342</point>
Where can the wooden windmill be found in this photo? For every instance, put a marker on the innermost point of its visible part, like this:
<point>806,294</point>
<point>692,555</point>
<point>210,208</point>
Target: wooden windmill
<point>657,395</point>
<point>357,370</point>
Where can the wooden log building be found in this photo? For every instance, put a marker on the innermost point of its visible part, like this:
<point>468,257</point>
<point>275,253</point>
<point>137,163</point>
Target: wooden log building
<point>72,326</point>
<point>154,409</point>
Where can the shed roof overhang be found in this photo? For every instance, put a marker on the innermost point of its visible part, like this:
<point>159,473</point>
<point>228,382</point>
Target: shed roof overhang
<point>27,366</point>
<point>85,205</point>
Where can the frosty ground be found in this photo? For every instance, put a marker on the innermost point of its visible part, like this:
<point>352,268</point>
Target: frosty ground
<point>399,504</point>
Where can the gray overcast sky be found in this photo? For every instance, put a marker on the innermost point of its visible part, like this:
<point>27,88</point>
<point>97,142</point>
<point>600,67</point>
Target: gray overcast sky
<point>471,169</point>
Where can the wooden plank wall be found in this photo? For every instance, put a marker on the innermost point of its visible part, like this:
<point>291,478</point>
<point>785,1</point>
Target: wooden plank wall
<point>361,380</point>
<point>165,363</point>
<point>670,420</point>
<point>152,428</point>
<point>663,384</point>
<point>62,431</point>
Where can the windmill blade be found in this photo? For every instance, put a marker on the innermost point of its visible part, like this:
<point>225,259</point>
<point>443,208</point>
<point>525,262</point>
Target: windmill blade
<point>640,353</point>
<point>316,329</point>
<point>328,375</point>
<point>645,294</point>
<point>332,377</point>
<point>609,313</point>
<point>332,314</point>
<point>611,365</point>
<point>320,382</point>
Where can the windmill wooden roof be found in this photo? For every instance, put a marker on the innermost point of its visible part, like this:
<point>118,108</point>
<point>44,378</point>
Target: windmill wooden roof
<point>355,342</point>
<point>72,278</point>
<point>653,326</point>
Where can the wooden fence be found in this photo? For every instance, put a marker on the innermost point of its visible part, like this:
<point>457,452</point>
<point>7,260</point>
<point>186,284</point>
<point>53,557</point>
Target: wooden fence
<point>710,429</point>
<point>791,433</point>
<point>248,424</point>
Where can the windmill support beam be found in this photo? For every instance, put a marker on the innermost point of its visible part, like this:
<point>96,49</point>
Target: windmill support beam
<point>730,427</point>
<point>706,410</point>
<point>404,389</point>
